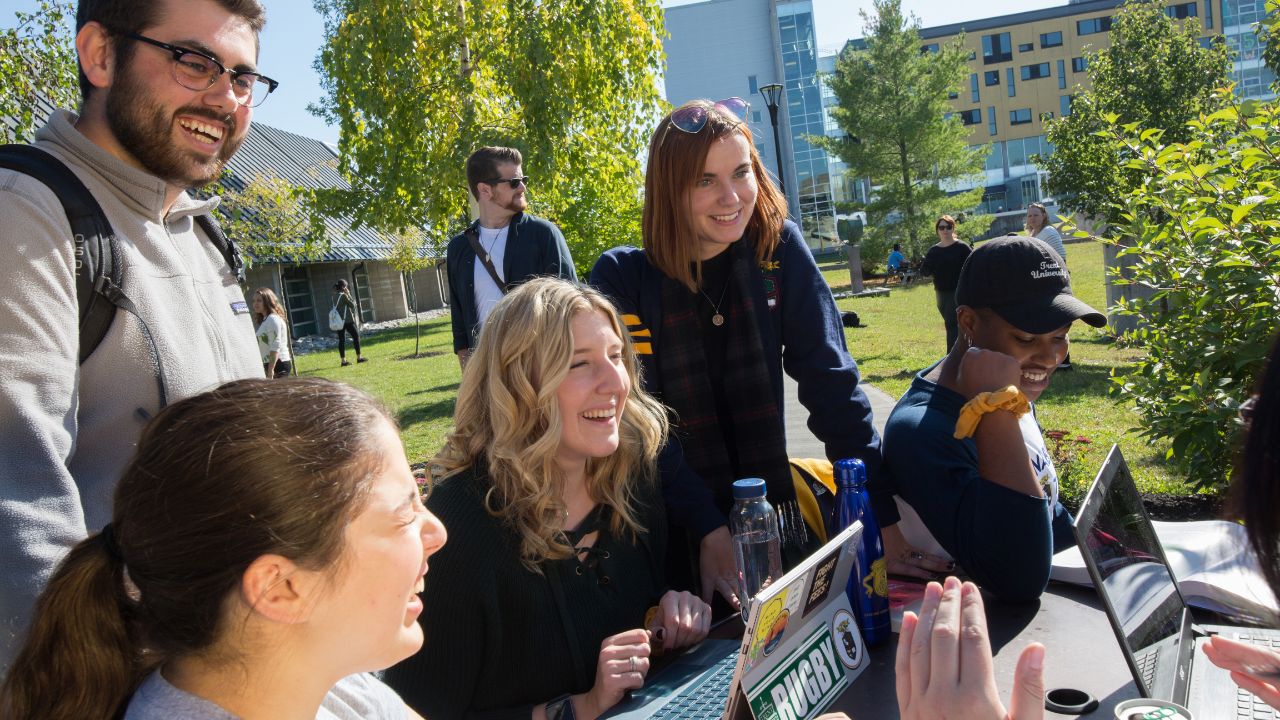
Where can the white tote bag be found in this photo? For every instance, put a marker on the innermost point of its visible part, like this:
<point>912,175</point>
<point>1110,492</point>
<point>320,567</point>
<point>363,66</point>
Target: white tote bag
<point>335,319</point>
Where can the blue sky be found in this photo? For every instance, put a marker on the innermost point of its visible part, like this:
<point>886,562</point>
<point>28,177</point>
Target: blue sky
<point>294,32</point>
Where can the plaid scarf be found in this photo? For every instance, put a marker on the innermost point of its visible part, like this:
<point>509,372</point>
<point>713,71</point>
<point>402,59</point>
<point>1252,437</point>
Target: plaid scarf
<point>757,420</point>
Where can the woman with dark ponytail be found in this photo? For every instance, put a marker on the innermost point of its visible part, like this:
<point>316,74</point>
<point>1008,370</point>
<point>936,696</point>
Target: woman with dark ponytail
<point>266,549</point>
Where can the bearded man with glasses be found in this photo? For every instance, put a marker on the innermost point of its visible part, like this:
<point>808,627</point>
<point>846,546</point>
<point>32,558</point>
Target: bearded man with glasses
<point>168,88</point>
<point>503,247</point>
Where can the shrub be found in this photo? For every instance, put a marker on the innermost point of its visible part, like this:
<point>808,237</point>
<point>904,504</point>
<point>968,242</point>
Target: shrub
<point>1203,230</point>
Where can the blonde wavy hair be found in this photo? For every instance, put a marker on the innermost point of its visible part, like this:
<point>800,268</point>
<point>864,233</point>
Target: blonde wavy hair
<point>507,416</point>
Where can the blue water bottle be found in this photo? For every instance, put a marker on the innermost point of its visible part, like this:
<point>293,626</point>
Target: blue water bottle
<point>868,588</point>
<point>757,549</point>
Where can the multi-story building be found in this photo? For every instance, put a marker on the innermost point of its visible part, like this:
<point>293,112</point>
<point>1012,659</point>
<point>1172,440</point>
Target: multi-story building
<point>1024,68</point>
<point>723,48</point>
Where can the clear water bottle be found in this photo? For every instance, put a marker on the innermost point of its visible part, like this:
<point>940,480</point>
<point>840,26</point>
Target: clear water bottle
<point>756,540</point>
<point>868,587</point>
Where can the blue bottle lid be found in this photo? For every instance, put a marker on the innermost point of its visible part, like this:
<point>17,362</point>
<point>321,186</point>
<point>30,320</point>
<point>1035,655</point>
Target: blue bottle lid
<point>748,488</point>
<point>850,471</point>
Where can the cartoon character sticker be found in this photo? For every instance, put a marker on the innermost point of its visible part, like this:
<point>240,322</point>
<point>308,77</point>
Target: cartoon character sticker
<point>772,624</point>
<point>849,644</point>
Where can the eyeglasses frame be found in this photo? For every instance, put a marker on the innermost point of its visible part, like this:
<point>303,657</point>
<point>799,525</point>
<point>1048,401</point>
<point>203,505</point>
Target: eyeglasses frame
<point>514,183</point>
<point>178,51</point>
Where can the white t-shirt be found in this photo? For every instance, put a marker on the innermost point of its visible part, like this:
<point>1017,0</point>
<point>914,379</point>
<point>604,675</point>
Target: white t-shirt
<point>1053,239</point>
<point>494,241</point>
<point>355,697</point>
<point>273,335</point>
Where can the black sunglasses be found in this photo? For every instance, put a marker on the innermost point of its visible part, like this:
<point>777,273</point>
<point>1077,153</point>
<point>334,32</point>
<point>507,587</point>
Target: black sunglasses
<point>945,226</point>
<point>195,70</point>
<point>514,182</point>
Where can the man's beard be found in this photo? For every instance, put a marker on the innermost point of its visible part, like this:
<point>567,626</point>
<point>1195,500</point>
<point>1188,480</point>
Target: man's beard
<point>516,204</point>
<point>145,131</point>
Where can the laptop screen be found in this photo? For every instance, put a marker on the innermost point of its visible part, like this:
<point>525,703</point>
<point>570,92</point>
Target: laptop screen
<point>1136,581</point>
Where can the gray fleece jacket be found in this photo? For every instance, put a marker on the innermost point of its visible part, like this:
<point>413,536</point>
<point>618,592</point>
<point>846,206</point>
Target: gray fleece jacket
<point>67,430</point>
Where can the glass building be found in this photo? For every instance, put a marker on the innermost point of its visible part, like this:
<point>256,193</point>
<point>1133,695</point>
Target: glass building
<point>803,98</point>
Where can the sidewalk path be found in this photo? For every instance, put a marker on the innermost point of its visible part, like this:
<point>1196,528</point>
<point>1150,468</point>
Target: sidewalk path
<point>800,441</point>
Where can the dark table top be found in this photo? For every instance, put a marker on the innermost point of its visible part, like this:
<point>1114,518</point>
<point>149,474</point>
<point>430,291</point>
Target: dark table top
<point>1082,653</point>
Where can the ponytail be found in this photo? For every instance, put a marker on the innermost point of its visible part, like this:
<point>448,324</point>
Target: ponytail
<point>79,660</point>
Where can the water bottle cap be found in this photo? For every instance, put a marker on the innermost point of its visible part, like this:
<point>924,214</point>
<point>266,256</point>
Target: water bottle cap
<point>850,471</point>
<point>748,488</point>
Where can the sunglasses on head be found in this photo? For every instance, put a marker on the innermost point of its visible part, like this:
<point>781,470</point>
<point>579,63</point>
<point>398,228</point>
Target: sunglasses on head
<point>693,118</point>
<point>514,182</point>
<point>945,226</point>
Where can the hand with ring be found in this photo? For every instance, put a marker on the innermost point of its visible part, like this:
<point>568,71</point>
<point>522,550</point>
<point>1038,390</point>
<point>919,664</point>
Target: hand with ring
<point>905,559</point>
<point>621,666</point>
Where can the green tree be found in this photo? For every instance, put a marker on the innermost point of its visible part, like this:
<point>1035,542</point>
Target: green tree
<point>900,133</point>
<point>37,60</point>
<point>1154,74</point>
<point>1203,230</point>
<point>410,252</point>
<point>416,85</point>
<point>271,218</point>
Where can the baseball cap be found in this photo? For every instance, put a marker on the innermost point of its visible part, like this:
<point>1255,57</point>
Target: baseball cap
<point>1025,282</point>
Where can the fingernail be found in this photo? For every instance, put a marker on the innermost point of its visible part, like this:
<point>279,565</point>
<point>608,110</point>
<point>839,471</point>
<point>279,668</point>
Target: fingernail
<point>1035,657</point>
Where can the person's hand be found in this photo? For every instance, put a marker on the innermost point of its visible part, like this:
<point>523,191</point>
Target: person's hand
<point>463,356</point>
<point>944,666</point>
<point>682,620</point>
<point>986,370</point>
<point>621,666</point>
<point>718,570</point>
<point>1253,668</point>
<point>903,558</point>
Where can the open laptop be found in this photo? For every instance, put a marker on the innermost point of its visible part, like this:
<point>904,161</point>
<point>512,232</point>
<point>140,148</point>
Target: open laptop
<point>801,649</point>
<point>1162,645</point>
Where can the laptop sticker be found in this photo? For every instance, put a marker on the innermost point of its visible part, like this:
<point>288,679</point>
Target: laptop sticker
<point>775,617</point>
<point>804,684</point>
<point>821,584</point>
<point>848,643</point>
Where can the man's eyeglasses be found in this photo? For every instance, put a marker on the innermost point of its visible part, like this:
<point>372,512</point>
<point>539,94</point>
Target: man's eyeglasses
<point>196,71</point>
<point>693,118</point>
<point>945,226</point>
<point>514,182</point>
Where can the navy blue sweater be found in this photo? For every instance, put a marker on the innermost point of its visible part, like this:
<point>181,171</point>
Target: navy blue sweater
<point>801,333</point>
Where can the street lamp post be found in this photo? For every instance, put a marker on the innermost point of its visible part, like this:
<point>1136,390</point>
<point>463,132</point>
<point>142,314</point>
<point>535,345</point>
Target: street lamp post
<point>772,94</point>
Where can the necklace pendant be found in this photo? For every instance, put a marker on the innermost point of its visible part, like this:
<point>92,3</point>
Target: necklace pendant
<point>717,319</point>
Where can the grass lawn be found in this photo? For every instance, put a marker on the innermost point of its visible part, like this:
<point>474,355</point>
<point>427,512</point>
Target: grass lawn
<point>903,334</point>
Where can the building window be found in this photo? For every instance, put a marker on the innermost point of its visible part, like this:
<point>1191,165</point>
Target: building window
<point>1064,105</point>
<point>991,77</point>
<point>755,116</point>
<point>1051,39</point>
<point>1093,25</point>
<point>1078,64</point>
<point>973,54</point>
<point>991,121</point>
<point>1008,76</point>
<point>1182,10</point>
<point>1020,117</point>
<point>973,87</point>
<point>930,48</point>
<point>996,48</point>
<point>752,83</point>
<point>1035,72</point>
<point>1047,115</point>
<point>1062,74</point>
<point>1026,47</point>
<point>971,117</point>
<point>1208,14</point>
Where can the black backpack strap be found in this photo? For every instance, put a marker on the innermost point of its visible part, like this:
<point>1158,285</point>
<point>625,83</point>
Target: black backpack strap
<point>230,251</point>
<point>98,272</point>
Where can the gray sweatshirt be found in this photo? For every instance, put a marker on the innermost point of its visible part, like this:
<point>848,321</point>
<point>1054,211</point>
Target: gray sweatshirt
<point>67,430</point>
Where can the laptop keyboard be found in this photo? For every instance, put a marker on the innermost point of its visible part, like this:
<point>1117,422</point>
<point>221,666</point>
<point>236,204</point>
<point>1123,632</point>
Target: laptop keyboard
<point>1248,705</point>
<point>1146,663</point>
<point>708,698</point>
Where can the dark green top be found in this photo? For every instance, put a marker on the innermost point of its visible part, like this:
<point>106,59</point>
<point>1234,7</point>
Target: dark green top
<point>500,638</point>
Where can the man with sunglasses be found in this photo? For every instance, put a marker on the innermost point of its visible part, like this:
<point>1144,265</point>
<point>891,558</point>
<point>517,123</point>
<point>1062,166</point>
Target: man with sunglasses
<point>168,88</point>
<point>504,246</point>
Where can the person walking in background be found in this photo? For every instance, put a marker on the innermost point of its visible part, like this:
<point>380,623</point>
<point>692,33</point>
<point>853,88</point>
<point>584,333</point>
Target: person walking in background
<point>504,246</point>
<point>272,332</point>
<point>345,306</point>
<point>1038,227</point>
<point>943,261</point>
<point>722,300</point>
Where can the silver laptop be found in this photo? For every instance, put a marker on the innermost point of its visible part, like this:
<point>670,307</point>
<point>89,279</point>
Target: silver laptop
<point>801,649</point>
<point>1162,645</point>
